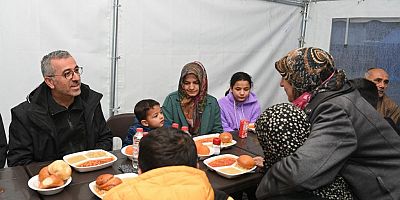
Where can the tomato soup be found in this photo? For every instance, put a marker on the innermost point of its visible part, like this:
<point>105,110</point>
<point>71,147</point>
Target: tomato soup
<point>222,162</point>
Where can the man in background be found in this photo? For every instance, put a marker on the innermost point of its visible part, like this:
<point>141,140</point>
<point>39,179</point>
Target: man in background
<point>59,117</point>
<point>386,106</point>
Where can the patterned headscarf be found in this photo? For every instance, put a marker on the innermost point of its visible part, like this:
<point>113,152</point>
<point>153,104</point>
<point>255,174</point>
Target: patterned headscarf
<point>194,106</point>
<point>310,70</point>
<point>281,130</point>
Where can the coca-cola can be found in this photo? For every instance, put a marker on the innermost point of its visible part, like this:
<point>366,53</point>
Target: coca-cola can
<point>243,128</point>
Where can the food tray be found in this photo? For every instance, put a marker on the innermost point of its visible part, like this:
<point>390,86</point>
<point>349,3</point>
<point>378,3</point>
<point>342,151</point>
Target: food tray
<point>209,137</point>
<point>103,158</point>
<point>98,193</point>
<point>228,171</point>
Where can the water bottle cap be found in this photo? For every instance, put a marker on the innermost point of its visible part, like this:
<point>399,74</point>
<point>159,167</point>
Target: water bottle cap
<point>175,125</point>
<point>217,141</point>
<point>185,128</point>
<point>139,129</point>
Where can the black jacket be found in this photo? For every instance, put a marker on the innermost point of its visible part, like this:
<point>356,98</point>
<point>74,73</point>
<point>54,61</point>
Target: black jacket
<point>33,137</point>
<point>3,144</point>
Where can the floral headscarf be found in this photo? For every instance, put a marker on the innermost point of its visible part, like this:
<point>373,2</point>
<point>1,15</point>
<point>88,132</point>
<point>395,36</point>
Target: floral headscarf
<point>193,107</point>
<point>310,70</point>
<point>281,130</point>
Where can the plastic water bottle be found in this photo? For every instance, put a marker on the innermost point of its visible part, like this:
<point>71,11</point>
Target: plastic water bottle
<point>217,146</point>
<point>136,139</point>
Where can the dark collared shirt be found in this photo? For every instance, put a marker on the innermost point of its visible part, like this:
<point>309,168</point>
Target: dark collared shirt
<point>70,126</point>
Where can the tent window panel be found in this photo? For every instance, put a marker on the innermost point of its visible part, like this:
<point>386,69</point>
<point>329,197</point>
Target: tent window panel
<point>358,44</point>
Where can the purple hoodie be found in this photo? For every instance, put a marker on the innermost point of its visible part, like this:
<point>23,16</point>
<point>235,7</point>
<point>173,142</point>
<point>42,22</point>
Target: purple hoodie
<point>232,112</point>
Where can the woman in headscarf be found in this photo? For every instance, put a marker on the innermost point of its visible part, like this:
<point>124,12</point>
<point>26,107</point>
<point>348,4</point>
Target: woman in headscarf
<point>283,128</point>
<point>191,105</point>
<point>348,137</point>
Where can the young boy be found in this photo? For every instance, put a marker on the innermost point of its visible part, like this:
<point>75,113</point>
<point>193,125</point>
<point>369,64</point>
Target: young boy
<point>167,170</point>
<point>149,116</point>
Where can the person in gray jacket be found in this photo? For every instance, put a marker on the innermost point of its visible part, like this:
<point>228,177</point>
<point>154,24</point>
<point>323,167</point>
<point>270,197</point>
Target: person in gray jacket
<point>348,136</point>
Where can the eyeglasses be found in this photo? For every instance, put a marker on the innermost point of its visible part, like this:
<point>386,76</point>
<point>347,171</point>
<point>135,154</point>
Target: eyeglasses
<point>70,73</point>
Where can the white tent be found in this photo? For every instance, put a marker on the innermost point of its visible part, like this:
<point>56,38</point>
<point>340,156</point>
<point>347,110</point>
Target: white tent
<point>146,43</point>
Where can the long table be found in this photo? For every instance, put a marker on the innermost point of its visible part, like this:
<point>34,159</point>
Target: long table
<point>14,184</point>
<point>79,187</point>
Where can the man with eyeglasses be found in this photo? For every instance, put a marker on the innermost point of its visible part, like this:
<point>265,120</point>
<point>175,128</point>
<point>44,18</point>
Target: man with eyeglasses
<point>59,117</point>
<point>386,106</point>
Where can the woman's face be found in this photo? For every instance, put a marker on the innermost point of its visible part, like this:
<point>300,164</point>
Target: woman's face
<point>191,85</point>
<point>288,89</point>
<point>241,90</point>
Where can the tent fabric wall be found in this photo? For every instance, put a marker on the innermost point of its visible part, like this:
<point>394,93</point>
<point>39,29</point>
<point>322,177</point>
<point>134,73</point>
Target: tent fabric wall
<point>319,23</point>
<point>157,38</point>
<point>30,29</point>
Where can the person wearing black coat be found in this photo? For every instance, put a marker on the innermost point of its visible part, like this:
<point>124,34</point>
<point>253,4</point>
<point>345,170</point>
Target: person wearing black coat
<point>3,144</point>
<point>59,117</point>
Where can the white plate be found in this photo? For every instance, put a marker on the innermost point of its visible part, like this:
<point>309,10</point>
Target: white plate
<point>219,170</point>
<point>124,153</point>
<point>90,168</point>
<point>33,183</point>
<point>92,185</point>
<point>223,145</point>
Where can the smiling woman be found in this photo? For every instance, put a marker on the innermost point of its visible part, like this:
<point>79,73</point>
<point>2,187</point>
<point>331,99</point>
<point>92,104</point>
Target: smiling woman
<point>191,105</point>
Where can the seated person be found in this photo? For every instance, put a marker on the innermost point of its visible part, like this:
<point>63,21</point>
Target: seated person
<point>346,137</point>
<point>239,102</point>
<point>369,92</point>
<point>283,128</point>
<point>3,144</point>
<point>149,116</point>
<point>385,106</point>
<point>167,170</point>
<point>59,117</point>
<point>191,105</point>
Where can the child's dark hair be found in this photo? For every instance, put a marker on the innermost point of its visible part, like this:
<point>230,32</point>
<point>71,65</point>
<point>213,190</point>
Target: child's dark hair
<point>142,107</point>
<point>164,147</point>
<point>239,76</point>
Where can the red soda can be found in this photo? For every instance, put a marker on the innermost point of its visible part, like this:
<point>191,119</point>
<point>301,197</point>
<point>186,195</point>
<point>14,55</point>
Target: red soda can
<point>243,128</point>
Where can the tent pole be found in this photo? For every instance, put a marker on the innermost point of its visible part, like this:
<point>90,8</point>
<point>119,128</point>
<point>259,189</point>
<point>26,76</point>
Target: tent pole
<point>305,12</point>
<point>114,59</point>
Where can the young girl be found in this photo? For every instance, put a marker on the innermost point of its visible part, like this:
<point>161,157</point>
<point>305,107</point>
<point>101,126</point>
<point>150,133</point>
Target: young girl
<point>239,102</point>
<point>191,105</point>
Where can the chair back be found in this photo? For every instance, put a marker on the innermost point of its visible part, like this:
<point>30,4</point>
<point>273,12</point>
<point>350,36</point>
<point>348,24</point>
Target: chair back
<point>119,124</point>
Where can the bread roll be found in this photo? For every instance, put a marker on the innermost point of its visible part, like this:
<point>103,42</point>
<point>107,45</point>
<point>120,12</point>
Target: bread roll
<point>246,162</point>
<point>107,181</point>
<point>225,137</point>
<point>202,149</point>
<point>100,180</point>
<point>60,168</point>
<point>43,173</point>
<point>51,182</point>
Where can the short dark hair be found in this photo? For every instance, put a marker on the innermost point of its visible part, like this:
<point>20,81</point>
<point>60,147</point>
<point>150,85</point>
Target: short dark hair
<point>239,76</point>
<point>142,107</point>
<point>164,147</point>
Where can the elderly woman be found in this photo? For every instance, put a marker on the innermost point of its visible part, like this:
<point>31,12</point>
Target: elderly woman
<point>348,137</point>
<point>191,105</point>
<point>283,128</point>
